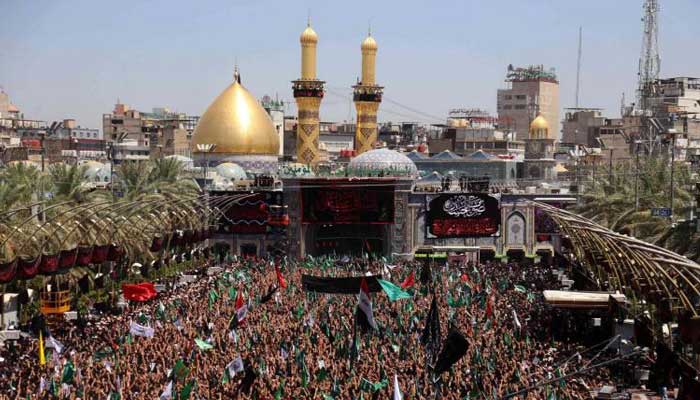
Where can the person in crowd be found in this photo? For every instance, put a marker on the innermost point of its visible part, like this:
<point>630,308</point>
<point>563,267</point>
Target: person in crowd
<point>243,334</point>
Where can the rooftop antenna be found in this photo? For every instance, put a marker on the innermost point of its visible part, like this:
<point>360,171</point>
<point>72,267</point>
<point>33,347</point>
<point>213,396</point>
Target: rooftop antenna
<point>649,60</point>
<point>308,17</point>
<point>369,27</point>
<point>622,105</point>
<point>578,65</point>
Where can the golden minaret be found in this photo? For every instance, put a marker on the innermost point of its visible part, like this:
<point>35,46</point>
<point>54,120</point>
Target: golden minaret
<point>308,92</point>
<point>367,96</point>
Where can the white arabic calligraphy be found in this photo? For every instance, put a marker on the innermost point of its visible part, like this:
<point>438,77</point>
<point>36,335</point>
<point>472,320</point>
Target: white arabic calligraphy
<point>464,206</point>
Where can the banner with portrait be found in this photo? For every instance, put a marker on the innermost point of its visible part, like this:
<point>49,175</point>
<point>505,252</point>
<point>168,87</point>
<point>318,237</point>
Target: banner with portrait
<point>462,215</point>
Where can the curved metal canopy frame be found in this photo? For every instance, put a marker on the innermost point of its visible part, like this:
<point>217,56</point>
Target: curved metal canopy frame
<point>662,277</point>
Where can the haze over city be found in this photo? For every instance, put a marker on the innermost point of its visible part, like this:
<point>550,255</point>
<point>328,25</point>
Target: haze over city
<point>76,58</point>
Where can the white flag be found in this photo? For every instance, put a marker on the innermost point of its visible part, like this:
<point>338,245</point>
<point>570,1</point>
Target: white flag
<point>366,304</point>
<point>42,385</point>
<point>397,390</point>
<point>516,320</point>
<point>58,346</point>
<point>140,330</point>
<point>235,366</point>
<point>233,336</point>
<point>168,392</point>
<point>242,312</point>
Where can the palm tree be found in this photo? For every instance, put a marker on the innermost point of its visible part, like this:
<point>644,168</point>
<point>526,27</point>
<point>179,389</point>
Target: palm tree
<point>611,202</point>
<point>68,181</point>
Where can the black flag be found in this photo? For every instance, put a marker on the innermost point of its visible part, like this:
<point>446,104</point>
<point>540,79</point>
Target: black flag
<point>425,274</point>
<point>270,291</point>
<point>248,378</point>
<point>431,332</point>
<point>455,347</point>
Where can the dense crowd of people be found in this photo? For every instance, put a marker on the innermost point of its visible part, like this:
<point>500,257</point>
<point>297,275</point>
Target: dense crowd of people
<point>294,344</point>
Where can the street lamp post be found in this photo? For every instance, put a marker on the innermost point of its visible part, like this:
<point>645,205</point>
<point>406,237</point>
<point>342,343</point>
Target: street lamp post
<point>636,175</point>
<point>672,133</point>
<point>205,148</point>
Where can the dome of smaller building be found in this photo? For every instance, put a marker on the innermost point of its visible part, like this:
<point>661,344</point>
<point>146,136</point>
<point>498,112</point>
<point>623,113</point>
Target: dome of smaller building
<point>231,171</point>
<point>539,128</point>
<point>369,43</point>
<point>383,160</point>
<point>309,36</point>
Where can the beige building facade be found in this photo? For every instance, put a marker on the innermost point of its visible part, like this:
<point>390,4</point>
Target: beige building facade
<point>530,91</point>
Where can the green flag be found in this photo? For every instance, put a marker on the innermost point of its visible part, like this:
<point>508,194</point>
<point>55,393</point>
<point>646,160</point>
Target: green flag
<point>232,293</point>
<point>392,291</point>
<point>180,371</point>
<point>187,390</point>
<point>160,312</point>
<point>304,374</point>
<point>280,391</point>
<point>204,346</point>
<point>213,296</point>
<point>519,288</point>
<point>53,388</point>
<point>68,373</point>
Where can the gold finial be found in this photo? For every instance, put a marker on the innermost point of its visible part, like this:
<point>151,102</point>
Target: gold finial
<point>369,28</point>
<point>308,17</point>
<point>236,74</point>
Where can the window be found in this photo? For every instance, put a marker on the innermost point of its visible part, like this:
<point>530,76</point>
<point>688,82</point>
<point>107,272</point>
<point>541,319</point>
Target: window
<point>520,106</point>
<point>507,107</point>
<point>520,97</point>
<point>508,97</point>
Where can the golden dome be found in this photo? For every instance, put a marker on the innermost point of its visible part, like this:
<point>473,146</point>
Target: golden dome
<point>369,43</point>
<point>308,36</point>
<point>539,127</point>
<point>237,124</point>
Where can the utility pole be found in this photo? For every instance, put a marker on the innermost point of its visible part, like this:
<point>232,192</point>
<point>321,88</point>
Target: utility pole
<point>672,132</point>
<point>636,176</point>
<point>610,165</point>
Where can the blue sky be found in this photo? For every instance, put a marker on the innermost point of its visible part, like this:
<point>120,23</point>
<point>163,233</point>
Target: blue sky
<point>74,58</point>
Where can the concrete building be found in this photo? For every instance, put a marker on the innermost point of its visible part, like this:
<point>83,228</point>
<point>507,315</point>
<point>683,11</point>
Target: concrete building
<point>161,131</point>
<point>7,109</point>
<point>582,125</point>
<point>469,130</point>
<point>676,95</point>
<point>70,130</point>
<point>530,90</point>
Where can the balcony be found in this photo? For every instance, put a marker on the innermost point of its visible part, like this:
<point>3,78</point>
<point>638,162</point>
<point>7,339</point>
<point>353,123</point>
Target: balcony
<point>55,302</point>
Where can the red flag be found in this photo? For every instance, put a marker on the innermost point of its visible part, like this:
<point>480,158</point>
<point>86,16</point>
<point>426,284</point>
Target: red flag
<point>239,301</point>
<point>409,281</point>
<point>280,279</point>
<point>365,307</point>
<point>489,307</point>
<point>241,309</point>
<point>139,292</point>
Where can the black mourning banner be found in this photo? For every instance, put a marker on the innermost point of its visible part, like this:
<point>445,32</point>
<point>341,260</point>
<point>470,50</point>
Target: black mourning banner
<point>462,215</point>
<point>347,285</point>
<point>455,347</point>
<point>348,205</point>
